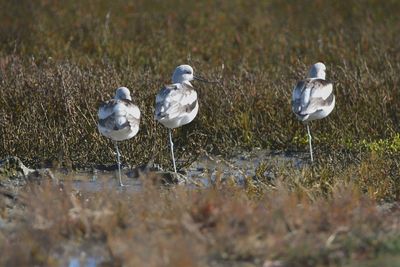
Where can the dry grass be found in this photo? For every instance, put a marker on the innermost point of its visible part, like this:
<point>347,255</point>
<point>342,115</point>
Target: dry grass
<point>219,226</point>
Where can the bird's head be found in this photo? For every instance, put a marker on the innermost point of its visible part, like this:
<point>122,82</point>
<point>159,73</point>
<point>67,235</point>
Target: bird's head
<point>183,73</point>
<point>123,93</point>
<point>317,71</point>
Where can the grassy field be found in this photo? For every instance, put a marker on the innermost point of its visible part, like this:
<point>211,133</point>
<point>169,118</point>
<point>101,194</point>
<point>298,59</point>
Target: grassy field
<point>58,61</point>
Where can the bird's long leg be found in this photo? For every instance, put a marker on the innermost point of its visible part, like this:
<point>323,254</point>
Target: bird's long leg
<point>119,163</point>
<point>172,148</point>
<point>309,141</point>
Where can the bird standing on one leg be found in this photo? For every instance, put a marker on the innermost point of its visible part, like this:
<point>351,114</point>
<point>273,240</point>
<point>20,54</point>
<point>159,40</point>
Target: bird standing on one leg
<point>119,120</point>
<point>313,98</point>
<point>177,104</point>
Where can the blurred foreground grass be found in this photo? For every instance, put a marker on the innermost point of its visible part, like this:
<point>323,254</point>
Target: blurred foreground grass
<point>58,60</point>
<point>224,225</point>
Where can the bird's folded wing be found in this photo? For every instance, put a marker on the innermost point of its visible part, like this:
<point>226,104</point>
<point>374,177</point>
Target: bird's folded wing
<point>320,88</point>
<point>133,115</point>
<point>118,114</point>
<point>132,111</point>
<point>111,124</point>
<point>175,100</point>
<point>317,104</point>
<point>311,95</point>
<point>106,109</point>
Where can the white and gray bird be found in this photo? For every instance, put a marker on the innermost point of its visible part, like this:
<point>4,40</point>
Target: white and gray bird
<point>313,98</point>
<point>177,104</point>
<point>119,120</point>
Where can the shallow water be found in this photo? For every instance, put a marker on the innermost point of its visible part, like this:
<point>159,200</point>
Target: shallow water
<point>202,172</point>
<point>242,165</point>
<point>76,262</point>
<point>83,255</point>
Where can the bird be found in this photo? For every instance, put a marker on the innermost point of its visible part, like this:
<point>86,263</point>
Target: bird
<point>119,119</point>
<point>313,98</point>
<point>177,103</point>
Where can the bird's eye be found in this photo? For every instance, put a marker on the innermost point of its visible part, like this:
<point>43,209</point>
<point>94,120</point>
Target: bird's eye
<point>188,72</point>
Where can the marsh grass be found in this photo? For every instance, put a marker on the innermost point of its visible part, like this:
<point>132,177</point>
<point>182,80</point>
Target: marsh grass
<point>59,61</point>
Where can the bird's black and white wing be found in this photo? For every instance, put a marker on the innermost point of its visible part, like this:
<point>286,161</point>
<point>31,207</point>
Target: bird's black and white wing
<point>116,115</point>
<point>312,95</point>
<point>174,101</point>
